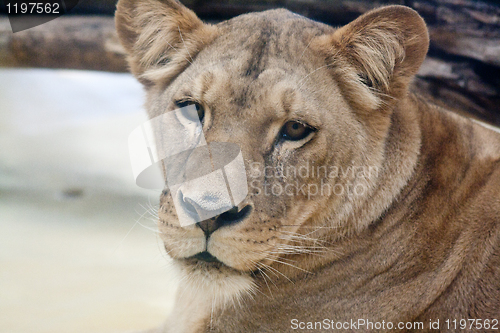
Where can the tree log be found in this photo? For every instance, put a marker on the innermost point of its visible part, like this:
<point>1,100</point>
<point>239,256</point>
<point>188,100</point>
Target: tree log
<point>462,70</point>
<point>67,42</point>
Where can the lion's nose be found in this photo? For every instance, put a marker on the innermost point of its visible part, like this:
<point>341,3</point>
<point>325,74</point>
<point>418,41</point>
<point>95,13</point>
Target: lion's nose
<point>232,216</point>
<point>208,199</point>
<point>202,205</point>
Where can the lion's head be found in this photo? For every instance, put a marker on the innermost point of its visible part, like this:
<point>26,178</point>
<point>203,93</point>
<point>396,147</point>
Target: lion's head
<point>310,108</point>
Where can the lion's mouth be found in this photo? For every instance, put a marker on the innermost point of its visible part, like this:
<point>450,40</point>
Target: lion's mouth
<point>205,256</point>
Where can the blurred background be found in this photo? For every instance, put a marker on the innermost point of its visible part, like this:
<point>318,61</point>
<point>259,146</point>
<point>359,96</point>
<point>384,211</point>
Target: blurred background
<point>78,245</point>
<point>79,251</point>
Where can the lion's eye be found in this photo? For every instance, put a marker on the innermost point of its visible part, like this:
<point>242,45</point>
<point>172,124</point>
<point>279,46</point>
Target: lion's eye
<point>295,131</point>
<point>189,115</point>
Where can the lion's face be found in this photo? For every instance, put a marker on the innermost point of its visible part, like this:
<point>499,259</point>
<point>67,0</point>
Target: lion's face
<point>281,87</point>
<point>277,115</point>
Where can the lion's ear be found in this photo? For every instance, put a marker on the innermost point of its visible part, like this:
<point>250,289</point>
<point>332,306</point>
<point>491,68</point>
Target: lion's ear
<point>377,54</point>
<point>160,37</point>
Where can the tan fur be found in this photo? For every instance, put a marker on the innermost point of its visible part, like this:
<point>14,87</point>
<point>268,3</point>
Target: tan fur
<point>159,37</point>
<point>421,241</point>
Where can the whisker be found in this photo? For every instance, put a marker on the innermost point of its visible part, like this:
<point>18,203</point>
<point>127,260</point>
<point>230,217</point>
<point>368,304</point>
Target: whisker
<point>130,230</point>
<point>261,269</point>
<point>272,268</point>
<point>291,265</point>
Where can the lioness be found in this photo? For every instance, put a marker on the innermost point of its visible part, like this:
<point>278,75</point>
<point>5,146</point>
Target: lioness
<point>368,208</point>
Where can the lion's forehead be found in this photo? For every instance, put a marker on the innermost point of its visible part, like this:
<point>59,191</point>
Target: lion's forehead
<point>258,41</point>
<point>269,88</point>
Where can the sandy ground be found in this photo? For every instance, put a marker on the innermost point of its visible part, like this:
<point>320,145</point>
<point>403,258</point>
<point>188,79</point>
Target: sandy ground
<point>79,251</point>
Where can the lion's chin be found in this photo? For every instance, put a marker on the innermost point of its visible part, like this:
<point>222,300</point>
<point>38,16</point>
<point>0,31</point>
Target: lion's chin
<point>214,278</point>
